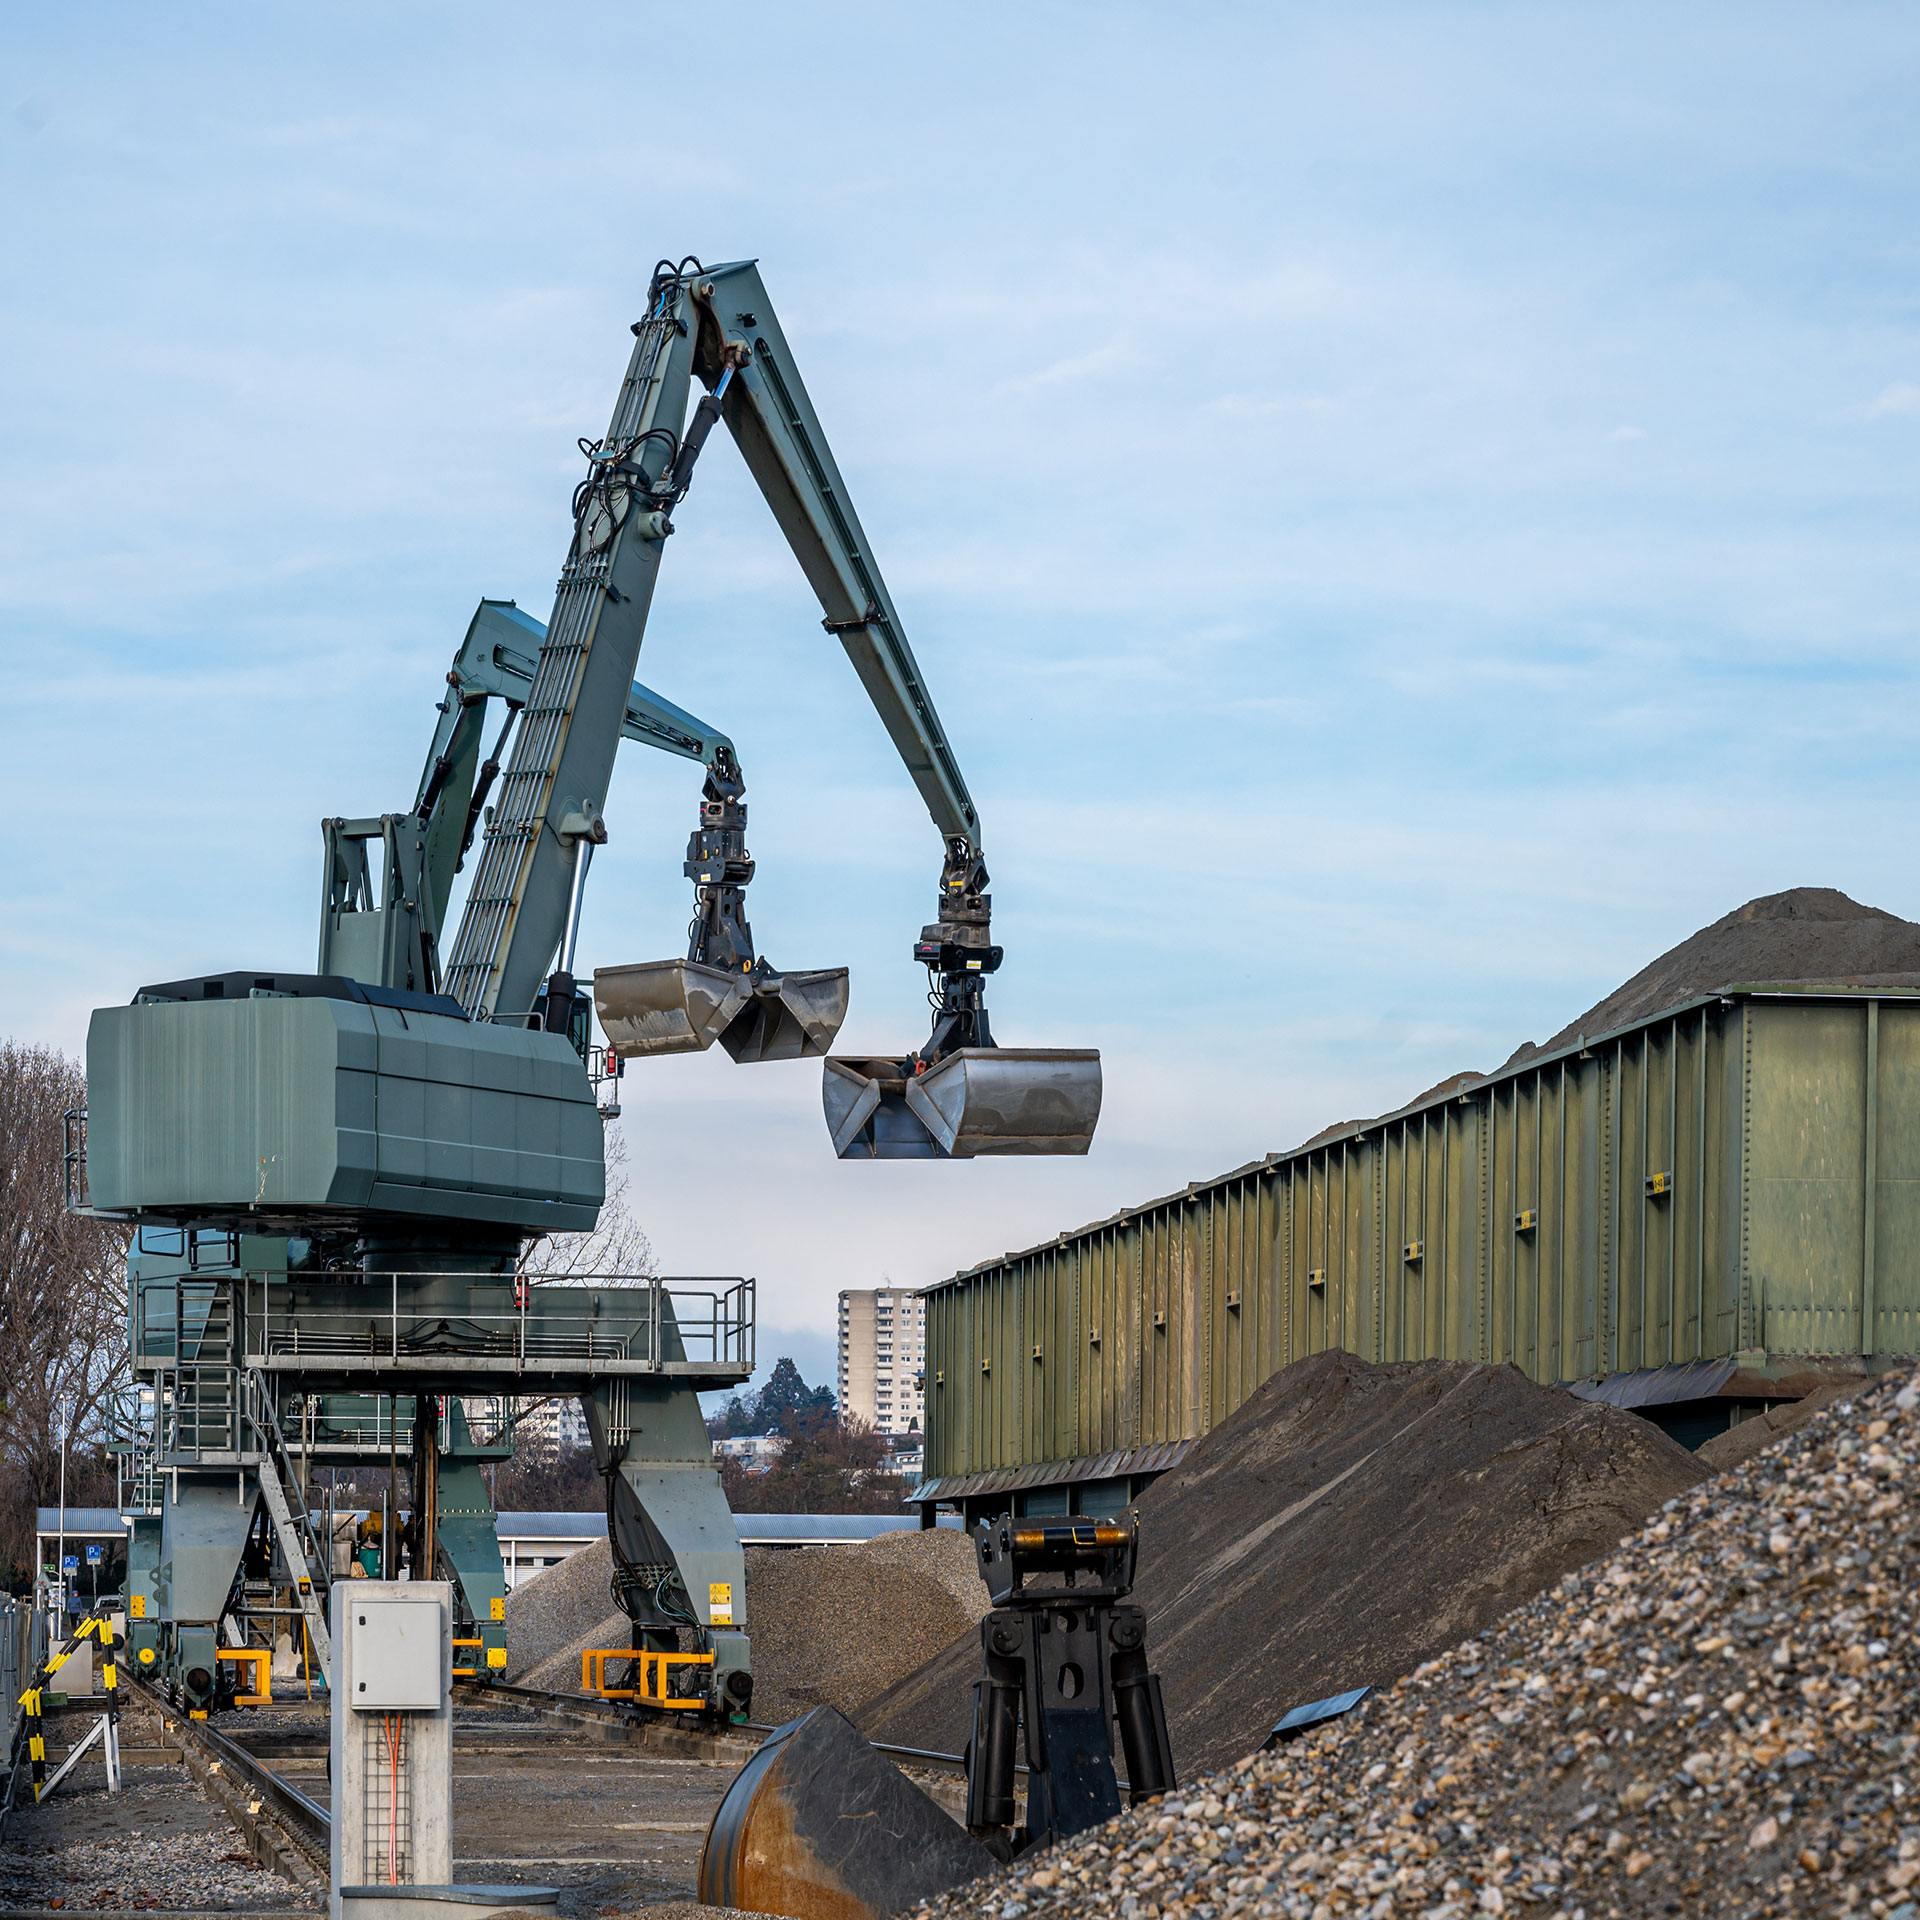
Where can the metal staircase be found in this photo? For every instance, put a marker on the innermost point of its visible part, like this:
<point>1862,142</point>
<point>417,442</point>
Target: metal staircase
<point>307,1555</point>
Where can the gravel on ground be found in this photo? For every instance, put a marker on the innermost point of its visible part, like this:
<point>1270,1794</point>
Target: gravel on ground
<point>1719,1717</point>
<point>158,1843</point>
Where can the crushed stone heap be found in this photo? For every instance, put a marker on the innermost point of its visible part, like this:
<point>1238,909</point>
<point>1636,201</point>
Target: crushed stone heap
<point>830,1626</point>
<point>1721,1717</point>
<point>1347,1522</point>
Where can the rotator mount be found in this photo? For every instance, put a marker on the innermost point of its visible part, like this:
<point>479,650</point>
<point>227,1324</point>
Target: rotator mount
<point>720,867</point>
<point>722,990</point>
<point>1063,1660</point>
<point>958,952</point>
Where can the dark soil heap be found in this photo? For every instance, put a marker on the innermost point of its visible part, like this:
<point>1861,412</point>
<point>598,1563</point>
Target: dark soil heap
<point>1720,1718</point>
<point>1809,936</point>
<point>1346,1523</point>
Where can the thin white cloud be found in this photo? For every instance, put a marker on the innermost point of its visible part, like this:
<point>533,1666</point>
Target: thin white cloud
<point>1899,401</point>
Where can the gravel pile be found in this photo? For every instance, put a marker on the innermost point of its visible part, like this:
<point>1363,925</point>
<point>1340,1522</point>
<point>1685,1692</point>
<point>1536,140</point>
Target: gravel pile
<point>833,1626</point>
<point>1719,1717</point>
<point>830,1625</point>
<point>557,1609</point>
<point>1347,1522</point>
<point>1804,936</point>
<point>945,1554</point>
<point>560,1671</point>
<point>1808,936</point>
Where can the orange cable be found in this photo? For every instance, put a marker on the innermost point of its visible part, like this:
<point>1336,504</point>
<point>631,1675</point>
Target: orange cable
<point>393,1800</point>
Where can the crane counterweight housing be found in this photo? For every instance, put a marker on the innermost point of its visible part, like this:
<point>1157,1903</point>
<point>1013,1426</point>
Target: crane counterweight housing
<point>300,1101</point>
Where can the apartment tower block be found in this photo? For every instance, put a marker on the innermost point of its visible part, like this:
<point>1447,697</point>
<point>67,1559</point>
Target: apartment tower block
<point>883,1341</point>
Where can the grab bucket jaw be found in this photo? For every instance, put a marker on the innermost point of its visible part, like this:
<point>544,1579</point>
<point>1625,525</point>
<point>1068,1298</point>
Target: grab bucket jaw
<point>819,1826</point>
<point>680,1006</point>
<point>977,1101</point>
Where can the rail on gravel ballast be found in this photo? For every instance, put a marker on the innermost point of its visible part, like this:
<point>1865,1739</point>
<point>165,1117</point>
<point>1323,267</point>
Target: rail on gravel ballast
<point>283,1829</point>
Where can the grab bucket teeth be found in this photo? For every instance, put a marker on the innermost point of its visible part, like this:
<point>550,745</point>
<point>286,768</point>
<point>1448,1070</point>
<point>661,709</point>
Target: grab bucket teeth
<point>679,1006</point>
<point>978,1101</point>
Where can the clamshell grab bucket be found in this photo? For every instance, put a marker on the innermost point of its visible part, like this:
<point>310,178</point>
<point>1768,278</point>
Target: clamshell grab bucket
<point>679,1006</point>
<point>980,1100</point>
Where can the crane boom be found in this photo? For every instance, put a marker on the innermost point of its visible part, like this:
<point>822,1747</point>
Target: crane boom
<point>719,327</point>
<point>556,782</point>
<point>773,423</point>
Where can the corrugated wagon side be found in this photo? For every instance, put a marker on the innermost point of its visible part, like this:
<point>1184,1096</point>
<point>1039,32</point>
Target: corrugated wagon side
<point>1696,1215</point>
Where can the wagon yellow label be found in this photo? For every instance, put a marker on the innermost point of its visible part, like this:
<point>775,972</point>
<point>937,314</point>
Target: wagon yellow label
<point>720,1603</point>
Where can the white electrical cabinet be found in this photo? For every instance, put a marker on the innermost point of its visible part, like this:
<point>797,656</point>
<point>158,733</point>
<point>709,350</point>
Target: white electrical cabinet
<point>399,1662</point>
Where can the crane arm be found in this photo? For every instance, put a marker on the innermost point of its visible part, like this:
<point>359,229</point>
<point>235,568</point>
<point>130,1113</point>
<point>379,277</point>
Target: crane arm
<point>718,326</point>
<point>743,358</point>
<point>523,892</point>
<point>773,423</point>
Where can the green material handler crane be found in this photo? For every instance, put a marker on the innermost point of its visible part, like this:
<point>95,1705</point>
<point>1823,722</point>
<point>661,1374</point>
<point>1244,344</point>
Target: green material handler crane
<point>401,1128</point>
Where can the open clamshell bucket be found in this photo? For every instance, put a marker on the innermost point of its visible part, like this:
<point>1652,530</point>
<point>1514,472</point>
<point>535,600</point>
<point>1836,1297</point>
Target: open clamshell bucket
<point>679,1006</point>
<point>980,1100</point>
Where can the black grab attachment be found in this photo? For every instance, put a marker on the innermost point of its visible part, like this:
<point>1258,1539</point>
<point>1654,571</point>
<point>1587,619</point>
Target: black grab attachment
<point>1067,1659</point>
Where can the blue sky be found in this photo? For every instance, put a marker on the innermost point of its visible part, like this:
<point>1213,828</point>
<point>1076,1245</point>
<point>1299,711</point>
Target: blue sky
<point>1407,513</point>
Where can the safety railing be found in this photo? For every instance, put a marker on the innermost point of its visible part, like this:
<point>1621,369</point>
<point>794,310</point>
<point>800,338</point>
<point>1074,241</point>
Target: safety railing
<point>649,1675</point>
<point>133,1441</point>
<point>594,1324</point>
<point>73,1161</point>
<point>15,1654</point>
<point>259,1663</point>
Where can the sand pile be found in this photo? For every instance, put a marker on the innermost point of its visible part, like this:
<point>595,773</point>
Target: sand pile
<point>1346,1523</point>
<point>829,1625</point>
<point>1717,1718</point>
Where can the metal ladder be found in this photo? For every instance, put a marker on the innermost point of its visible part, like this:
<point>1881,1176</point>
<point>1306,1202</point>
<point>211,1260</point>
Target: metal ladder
<point>205,1412</point>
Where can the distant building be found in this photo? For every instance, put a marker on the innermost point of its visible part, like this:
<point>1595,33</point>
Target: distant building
<point>883,1340</point>
<point>755,1451</point>
<point>554,1427</point>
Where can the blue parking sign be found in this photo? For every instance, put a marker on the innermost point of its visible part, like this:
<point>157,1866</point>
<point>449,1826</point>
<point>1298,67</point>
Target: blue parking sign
<point>70,1563</point>
<point>95,1553</point>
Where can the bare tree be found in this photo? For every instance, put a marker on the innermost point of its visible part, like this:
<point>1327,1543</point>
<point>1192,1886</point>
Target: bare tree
<point>825,1467</point>
<point>63,1306</point>
<point>616,1250</point>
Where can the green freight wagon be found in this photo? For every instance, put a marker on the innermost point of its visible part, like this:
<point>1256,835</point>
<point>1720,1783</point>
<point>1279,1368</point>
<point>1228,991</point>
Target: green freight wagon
<point>1695,1216</point>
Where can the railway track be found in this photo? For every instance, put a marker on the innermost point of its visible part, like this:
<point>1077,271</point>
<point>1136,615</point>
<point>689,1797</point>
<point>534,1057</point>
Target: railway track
<point>616,1717</point>
<point>282,1827</point>
<point>628,1809</point>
